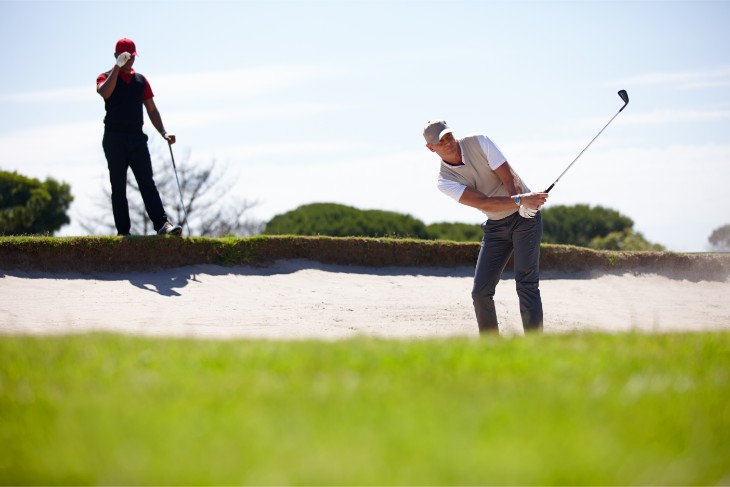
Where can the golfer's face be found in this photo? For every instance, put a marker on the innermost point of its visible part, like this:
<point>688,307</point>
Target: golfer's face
<point>447,145</point>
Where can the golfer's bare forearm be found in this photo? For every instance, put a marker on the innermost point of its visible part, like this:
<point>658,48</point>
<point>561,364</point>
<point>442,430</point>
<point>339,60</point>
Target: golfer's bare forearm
<point>480,201</point>
<point>107,87</point>
<point>510,179</point>
<point>155,116</point>
<point>156,120</point>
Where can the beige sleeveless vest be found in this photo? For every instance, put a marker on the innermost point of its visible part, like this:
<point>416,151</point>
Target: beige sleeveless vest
<point>476,174</point>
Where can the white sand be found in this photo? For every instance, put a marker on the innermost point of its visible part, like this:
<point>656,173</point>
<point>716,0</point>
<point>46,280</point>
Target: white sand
<point>303,299</point>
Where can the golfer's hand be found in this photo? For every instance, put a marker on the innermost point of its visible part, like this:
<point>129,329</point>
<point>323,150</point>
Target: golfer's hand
<point>526,212</point>
<point>123,58</point>
<point>534,200</point>
<point>169,138</point>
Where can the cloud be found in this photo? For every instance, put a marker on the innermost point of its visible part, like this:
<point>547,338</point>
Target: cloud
<point>663,117</point>
<point>686,80</point>
<point>221,84</point>
<point>242,111</point>
<point>293,150</point>
<point>63,95</point>
<point>674,116</point>
<point>237,83</point>
<point>48,145</point>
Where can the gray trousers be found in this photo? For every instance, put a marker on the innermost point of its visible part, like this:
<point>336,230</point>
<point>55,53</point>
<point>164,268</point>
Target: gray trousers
<point>501,238</point>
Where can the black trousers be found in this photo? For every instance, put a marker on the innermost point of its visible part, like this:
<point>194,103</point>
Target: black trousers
<point>502,238</point>
<point>124,151</point>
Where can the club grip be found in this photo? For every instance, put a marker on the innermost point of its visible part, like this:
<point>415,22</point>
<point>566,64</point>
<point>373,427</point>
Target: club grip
<point>551,187</point>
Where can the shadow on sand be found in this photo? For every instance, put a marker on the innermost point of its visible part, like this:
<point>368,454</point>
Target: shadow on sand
<point>166,282</point>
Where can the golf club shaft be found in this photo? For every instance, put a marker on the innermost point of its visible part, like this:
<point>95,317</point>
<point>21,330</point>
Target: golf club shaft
<point>174,168</point>
<point>625,97</point>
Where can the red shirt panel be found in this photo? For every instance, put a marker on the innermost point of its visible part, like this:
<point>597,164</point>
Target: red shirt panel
<point>127,78</point>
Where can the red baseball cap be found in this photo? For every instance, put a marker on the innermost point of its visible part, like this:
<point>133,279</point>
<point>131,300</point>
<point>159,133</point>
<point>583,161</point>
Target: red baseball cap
<point>126,45</point>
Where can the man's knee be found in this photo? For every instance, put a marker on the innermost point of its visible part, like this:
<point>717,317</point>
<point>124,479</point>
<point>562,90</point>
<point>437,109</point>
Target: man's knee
<point>527,285</point>
<point>484,294</point>
<point>146,184</point>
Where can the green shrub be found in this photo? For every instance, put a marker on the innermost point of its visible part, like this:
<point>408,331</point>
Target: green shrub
<point>335,220</point>
<point>457,232</point>
<point>29,206</point>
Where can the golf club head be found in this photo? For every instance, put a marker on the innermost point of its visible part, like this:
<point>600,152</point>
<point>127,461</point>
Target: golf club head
<point>625,97</point>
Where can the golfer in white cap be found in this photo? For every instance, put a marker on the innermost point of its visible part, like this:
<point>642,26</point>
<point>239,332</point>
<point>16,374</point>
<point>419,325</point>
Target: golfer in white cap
<point>475,173</point>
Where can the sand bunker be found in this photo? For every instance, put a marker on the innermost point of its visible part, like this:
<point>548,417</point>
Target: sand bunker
<point>303,299</point>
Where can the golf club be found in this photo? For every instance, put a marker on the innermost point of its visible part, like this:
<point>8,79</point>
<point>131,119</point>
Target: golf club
<point>179,189</point>
<point>625,97</point>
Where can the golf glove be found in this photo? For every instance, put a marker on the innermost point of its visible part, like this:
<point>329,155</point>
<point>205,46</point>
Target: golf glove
<point>123,58</point>
<point>526,212</point>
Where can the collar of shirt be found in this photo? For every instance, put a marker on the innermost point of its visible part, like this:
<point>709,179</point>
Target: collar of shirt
<point>126,76</point>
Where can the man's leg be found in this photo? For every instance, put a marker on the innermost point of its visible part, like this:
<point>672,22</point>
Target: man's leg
<point>141,165</point>
<point>115,151</point>
<point>493,256</point>
<point>527,236</point>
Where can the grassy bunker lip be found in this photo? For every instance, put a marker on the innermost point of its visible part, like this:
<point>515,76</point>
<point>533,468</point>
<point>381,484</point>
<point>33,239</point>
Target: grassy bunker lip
<point>120,254</point>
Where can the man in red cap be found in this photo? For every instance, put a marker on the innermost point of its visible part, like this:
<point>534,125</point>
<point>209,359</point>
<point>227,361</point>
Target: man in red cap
<point>125,144</point>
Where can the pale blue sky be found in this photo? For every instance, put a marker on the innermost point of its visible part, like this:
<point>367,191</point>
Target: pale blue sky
<point>308,101</point>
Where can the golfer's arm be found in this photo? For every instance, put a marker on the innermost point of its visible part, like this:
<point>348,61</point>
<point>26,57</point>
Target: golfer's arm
<point>154,115</point>
<point>511,181</point>
<point>106,88</point>
<point>472,197</point>
<point>475,199</point>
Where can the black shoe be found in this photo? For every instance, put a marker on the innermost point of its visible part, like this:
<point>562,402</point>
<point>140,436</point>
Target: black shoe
<point>170,229</point>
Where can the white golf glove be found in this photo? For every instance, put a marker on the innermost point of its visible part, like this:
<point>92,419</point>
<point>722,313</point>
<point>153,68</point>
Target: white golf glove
<point>526,212</point>
<point>123,58</point>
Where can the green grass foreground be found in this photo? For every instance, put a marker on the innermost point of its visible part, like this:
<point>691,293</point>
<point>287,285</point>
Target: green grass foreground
<point>584,409</point>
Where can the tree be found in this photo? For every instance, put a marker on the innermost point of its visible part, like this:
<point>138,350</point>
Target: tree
<point>206,191</point>
<point>597,227</point>
<point>345,221</point>
<point>720,239</point>
<point>31,207</point>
